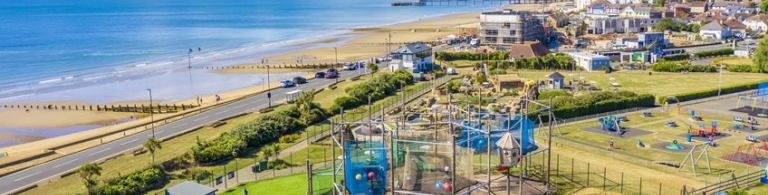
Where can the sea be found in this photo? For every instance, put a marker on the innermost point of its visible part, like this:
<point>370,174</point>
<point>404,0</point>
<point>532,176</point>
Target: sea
<point>103,51</point>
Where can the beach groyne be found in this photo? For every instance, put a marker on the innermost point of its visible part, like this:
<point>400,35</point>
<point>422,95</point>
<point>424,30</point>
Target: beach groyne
<point>470,2</point>
<point>138,108</point>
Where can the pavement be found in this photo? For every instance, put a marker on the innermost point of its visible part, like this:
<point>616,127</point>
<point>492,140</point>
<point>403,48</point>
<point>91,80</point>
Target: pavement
<point>53,169</point>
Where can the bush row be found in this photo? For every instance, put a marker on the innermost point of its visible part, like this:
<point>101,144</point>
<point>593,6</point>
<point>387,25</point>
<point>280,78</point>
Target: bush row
<point>264,129</point>
<point>668,66</point>
<point>743,68</point>
<point>711,92</point>
<point>606,105</point>
<point>450,56</point>
<point>710,53</point>
<point>559,61</point>
<point>377,88</point>
<point>134,183</point>
<point>676,57</point>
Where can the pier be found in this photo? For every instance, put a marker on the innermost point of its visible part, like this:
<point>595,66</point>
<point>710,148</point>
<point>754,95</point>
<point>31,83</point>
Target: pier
<point>470,2</point>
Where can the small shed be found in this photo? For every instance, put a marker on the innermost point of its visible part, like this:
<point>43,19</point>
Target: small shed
<point>190,188</point>
<point>509,150</point>
<point>555,80</point>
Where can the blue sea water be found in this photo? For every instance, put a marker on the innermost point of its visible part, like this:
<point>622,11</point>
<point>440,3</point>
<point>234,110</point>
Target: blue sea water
<point>107,50</point>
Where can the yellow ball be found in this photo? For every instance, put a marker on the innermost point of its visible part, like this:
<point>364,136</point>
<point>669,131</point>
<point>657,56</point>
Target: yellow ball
<point>358,176</point>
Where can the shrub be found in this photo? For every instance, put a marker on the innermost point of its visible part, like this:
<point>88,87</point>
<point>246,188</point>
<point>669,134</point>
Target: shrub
<point>290,138</point>
<point>743,68</point>
<point>710,53</point>
<point>450,56</point>
<point>136,182</point>
<point>676,57</point>
<point>553,93</point>
<point>602,106</point>
<point>497,71</point>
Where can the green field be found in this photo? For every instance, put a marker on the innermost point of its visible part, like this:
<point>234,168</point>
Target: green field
<point>294,184</point>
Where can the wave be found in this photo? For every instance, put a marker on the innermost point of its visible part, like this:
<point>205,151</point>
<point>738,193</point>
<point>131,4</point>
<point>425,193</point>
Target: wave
<point>56,80</point>
<point>17,96</point>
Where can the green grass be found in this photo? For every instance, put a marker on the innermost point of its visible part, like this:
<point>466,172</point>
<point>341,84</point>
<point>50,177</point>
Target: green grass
<point>659,84</point>
<point>294,184</point>
<point>736,61</point>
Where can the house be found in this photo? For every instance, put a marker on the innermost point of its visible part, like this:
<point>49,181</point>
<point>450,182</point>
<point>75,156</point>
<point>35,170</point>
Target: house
<point>590,62</point>
<point>555,81</point>
<point>699,7</point>
<point>680,10</point>
<point>757,23</point>
<point>190,188</point>
<point>412,56</point>
<point>709,16</point>
<point>530,50</point>
<point>724,5</point>
<point>507,82</point>
<point>606,10</point>
<point>714,31</point>
<point>558,19</point>
<point>616,25</point>
<point>508,27</point>
<point>735,26</point>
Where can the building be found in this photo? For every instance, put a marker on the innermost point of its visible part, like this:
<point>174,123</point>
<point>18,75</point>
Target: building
<point>651,39</point>
<point>558,19</point>
<point>190,188</point>
<point>714,31</point>
<point>524,51</point>
<point>616,25</point>
<point>699,7</point>
<point>412,56</point>
<point>555,81</point>
<point>590,62</point>
<point>506,82</point>
<point>735,26</point>
<point>757,23</point>
<point>508,27</point>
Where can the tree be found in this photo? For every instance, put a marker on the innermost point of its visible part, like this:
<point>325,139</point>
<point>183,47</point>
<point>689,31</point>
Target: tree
<point>267,150</point>
<point>87,173</point>
<point>276,150</point>
<point>151,145</point>
<point>373,68</point>
<point>760,57</point>
<point>752,5</point>
<point>667,24</point>
<point>659,3</point>
<point>582,30</point>
<point>763,6</point>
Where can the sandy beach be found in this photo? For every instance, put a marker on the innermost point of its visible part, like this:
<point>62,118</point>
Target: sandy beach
<point>370,43</point>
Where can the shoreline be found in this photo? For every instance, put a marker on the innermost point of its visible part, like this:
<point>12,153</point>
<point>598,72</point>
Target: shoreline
<point>361,35</point>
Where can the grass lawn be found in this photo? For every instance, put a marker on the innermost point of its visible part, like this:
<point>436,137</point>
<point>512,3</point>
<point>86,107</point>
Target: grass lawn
<point>294,184</point>
<point>659,84</point>
<point>736,61</point>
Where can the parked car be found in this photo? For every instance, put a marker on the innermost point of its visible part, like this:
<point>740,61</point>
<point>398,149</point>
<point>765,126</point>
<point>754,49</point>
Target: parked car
<point>350,66</point>
<point>287,84</point>
<point>299,80</point>
<point>331,73</point>
<point>320,75</point>
<point>451,71</point>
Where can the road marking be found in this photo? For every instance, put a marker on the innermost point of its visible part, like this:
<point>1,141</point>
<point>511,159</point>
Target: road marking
<point>100,151</point>
<point>129,142</point>
<point>30,175</point>
<point>221,112</point>
<point>201,118</point>
<point>241,106</point>
<point>62,164</point>
<point>160,131</point>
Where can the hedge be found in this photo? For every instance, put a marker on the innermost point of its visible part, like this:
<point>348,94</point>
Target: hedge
<point>377,88</point>
<point>711,92</point>
<point>669,66</point>
<point>450,56</point>
<point>743,68</point>
<point>559,61</point>
<point>710,53</point>
<point>608,105</point>
<point>136,182</point>
<point>676,57</point>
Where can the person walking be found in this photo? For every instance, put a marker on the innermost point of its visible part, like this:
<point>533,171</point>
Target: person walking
<point>610,145</point>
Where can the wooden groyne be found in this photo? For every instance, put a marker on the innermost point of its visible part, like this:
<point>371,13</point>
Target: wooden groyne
<point>111,108</point>
<point>470,2</point>
<point>278,66</point>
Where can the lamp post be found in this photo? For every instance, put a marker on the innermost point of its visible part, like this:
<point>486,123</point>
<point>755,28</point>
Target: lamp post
<point>336,52</point>
<point>151,113</point>
<point>720,81</point>
<point>269,90</point>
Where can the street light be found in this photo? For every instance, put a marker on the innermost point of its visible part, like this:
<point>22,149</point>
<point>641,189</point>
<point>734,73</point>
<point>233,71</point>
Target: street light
<point>336,52</point>
<point>151,113</point>
<point>720,81</point>
<point>269,90</point>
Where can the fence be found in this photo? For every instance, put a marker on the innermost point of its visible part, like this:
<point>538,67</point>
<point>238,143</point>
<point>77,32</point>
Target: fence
<point>115,108</point>
<point>744,181</point>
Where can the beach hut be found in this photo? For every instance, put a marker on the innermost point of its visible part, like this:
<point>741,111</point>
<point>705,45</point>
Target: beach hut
<point>555,80</point>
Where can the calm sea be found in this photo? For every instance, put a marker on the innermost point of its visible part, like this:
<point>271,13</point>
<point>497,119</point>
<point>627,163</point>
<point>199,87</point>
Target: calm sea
<point>106,50</point>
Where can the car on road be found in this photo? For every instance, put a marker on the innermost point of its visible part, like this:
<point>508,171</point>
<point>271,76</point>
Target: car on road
<point>299,80</point>
<point>451,71</point>
<point>320,75</point>
<point>350,66</point>
<point>331,73</point>
<point>287,84</point>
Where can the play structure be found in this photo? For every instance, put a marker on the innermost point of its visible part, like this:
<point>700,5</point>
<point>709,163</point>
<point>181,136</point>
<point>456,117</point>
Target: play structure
<point>740,122</point>
<point>640,144</point>
<point>703,153</point>
<point>674,146</point>
<point>435,156</point>
<point>646,114</point>
<point>703,132</point>
<point>671,124</point>
<point>750,154</point>
<point>695,117</point>
<point>612,124</point>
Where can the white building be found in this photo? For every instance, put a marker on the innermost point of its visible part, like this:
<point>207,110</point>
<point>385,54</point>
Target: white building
<point>758,23</point>
<point>412,56</point>
<point>714,31</point>
<point>590,62</point>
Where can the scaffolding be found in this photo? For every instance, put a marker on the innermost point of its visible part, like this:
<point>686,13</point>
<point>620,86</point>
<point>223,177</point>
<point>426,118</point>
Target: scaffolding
<point>440,151</point>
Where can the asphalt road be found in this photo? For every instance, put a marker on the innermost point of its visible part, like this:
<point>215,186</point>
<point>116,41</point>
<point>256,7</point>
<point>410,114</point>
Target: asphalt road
<point>30,176</point>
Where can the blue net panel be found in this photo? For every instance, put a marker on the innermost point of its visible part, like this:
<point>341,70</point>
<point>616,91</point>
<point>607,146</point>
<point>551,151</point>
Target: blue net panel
<point>473,135</point>
<point>366,168</point>
<point>762,89</point>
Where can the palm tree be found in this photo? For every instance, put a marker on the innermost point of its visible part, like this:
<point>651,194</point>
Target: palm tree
<point>151,145</point>
<point>267,150</point>
<point>373,68</point>
<point>87,173</point>
<point>276,149</point>
<point>304,102</point>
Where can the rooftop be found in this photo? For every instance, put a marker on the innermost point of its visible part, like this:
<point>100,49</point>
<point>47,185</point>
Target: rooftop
<point>509,12</point>
<point>190,188</point>
<point>412,48</point>
<point>588,55</point>
<point>530,50</point>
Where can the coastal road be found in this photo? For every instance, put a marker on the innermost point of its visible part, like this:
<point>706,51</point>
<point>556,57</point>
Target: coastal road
<point>30,176</point>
